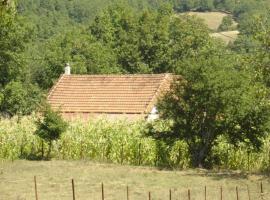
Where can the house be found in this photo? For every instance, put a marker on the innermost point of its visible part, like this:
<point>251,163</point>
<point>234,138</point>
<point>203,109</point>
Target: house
<point>114,96</point>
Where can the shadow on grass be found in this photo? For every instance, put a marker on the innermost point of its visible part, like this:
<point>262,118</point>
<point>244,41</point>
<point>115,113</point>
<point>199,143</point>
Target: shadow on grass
<point>230,174</point>
<point>34,157</point>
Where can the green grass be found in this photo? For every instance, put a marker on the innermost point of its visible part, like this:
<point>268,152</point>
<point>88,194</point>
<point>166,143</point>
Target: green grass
<point>54,182</point>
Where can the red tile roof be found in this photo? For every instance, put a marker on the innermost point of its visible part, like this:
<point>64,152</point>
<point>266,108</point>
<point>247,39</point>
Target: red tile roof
<point>129,94</point>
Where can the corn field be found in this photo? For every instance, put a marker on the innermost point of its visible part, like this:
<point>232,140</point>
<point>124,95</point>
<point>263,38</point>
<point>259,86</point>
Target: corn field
<point>120,142</point>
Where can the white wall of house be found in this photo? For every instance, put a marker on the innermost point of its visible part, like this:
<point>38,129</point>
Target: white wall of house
<point>153,115</point>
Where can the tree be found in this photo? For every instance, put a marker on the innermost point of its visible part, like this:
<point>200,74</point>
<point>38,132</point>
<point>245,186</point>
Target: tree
<point>255,40</point>
<point>12,40</point>
<point>20,98</point>
<point>151,41</point>
<point>226,23</point>
<point>214,99</point>
<point>206,5</point>
<point>50,127</point>
<point>81,50</point>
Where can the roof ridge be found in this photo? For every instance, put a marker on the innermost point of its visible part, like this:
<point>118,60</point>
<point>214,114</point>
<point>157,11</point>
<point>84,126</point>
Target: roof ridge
<point>155,96</point>
<point>55,86</point>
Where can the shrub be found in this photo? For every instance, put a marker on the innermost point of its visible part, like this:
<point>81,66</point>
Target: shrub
<point>226,23</point>
<point>50,127</point>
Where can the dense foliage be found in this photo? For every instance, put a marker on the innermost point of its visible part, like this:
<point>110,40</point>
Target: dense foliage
<point>50,127</point>
<point>216,101</point>
<point>225,91</point>
<point>120,142</point>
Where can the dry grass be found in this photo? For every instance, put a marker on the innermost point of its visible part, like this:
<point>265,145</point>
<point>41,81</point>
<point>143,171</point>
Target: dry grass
<point>54,182</point>
<point>226,36</point>
<point>211,19</point>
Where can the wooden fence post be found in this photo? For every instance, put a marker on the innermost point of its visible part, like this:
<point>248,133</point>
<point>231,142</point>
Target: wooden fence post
<point>170,194</point>
<point>73,189</point>
<point>149,196</point>
<point>248,192</point>
<point>36,193</point>
<point>127,193</point>
<point>102,191</point>
<point>237,195</point>
<point>261,187</point>
<point>205,192</point>
<point>221,193</point>
<point>189,194</point>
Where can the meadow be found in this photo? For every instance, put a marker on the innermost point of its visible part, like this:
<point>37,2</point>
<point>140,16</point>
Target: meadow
<point>54,182</point>
<point>213,20</point>
<point>226,36</point>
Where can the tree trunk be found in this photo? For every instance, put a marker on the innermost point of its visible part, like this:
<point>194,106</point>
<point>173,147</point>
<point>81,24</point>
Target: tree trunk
<point>49,151</point>
<point>199,154</point>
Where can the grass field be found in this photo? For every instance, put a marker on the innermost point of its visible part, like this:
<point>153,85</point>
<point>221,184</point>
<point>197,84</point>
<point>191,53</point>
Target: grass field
<point>211,19</point>
<point>226,36</point>
<point>54,182</point>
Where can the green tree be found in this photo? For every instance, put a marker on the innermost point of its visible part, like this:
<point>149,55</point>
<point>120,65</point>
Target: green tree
<point>226,23</point>
<point>12,40</point>
<point>50,127</point>
<point>206,5</point>
<point>80,49</point>
<point>151,41</point>
<point>214,99</point>
<point>255,41</point>
<point>20,98</point>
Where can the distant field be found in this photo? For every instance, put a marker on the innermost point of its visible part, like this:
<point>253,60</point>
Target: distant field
<point>54,182</point>
<point>227,36</point>
<point>211,19</point>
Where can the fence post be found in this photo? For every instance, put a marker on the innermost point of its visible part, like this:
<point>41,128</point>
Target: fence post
<point>36,193</point>
<point>204,192</point>
<point>102,191</point>
<point>73,189</point>
<point>237,195</point>
<point>149,196</point>
<point>261,187</point>
<point>248,192</point>
<point>188,194</point>
<point>170,197</point>
<point>221,193</point>
<point>127,193</point>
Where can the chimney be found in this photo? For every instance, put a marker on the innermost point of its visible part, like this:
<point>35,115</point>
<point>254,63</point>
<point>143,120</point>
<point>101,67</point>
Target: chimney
<point>67,69</point>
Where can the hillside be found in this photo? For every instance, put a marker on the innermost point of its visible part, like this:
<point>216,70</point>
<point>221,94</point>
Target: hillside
<point>213,20</point>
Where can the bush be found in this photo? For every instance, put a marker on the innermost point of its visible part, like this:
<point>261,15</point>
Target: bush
<point>19,98</point>
<point>50,127</point>
<point>226,23</point>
